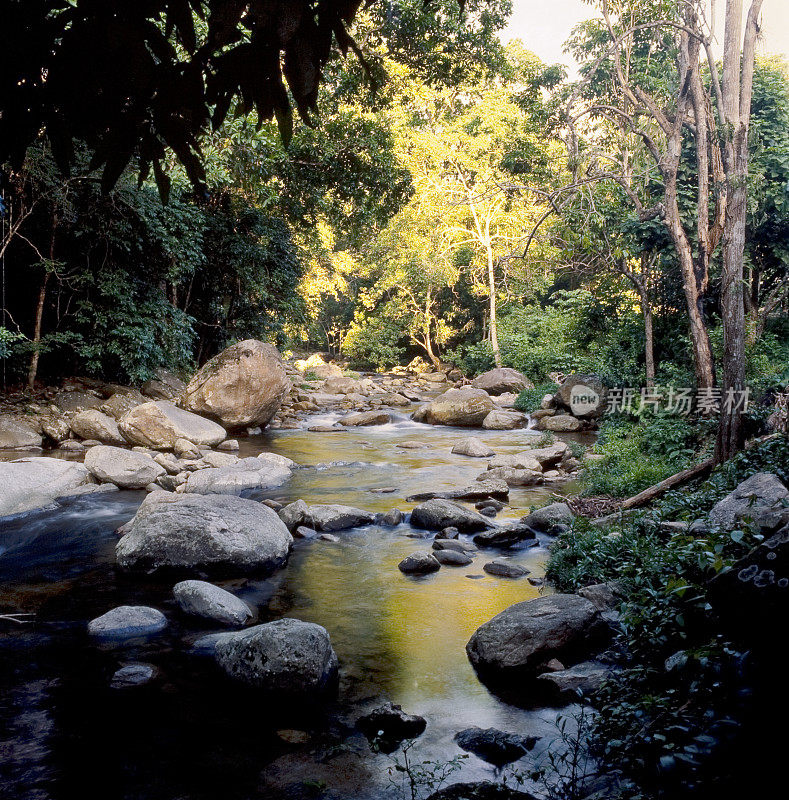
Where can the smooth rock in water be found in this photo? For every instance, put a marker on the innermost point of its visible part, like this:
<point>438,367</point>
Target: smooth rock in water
<point>329,537</point>
<point>125,468</point>
<point>452,558</point>
<point>92,424</point>
<point>341,385</point>
<point>287,657</point>
<point>502,569</point>
<point>389,724</point>
<point>495,746</point>
<point>454,544</point>
<point>486,489</point>
<point>488,511</point>
<point>121,403</point>
<point>35,482</point>
<point>165,386</point>
<point>334,517</point>
<point>505,420</point>
<point>71,446</point>
<point>246,473</point>
<point>506,536</point>
<point>524,460</point>
<point>132,675</point>
<point>326,429</point>
<point>303,532</point>
<point>550,519</point>
<point>294,514</point>
<point>125,622</point>
<point>16,434</point>
<point>515,643</point>
<point>229,444</point>
<point>411,445</point>
<point>583,680</point>
<point>501,380</point>
<point>466,408</point>
<point>242,386</point>
<point>159,424</point>
<point>513,477</point>
<point>759,499</point>
<point>391,518</point>
<point>585,395</point>
<point>435,515</point>
<point>489,502</point>
<point>448,533</point>
<point>473,447</point>
<point>203,599</point>
<point>213,532</point>
<point>366,418</point>
<point>419,563</point>
<point>560,423</point>
<point>550,456</point>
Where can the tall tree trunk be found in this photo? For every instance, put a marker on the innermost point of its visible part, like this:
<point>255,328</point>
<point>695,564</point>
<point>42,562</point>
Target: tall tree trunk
<point>428,344</point>
<point>494,328</point>
<point>649,341</point>
<point>32,371</point>
<point>737,88</point>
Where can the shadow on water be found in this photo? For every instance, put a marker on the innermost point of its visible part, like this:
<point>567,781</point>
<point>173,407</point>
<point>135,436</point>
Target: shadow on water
<point>67,734</point>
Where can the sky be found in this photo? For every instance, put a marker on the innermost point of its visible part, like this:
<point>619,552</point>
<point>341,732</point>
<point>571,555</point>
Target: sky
<point>543,26</point>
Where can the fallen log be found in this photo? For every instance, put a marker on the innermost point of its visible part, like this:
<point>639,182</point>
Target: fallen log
<point>648,495</point>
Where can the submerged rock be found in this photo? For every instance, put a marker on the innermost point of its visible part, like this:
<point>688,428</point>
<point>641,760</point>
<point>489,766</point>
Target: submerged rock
<point>245,473</point>
<point>126,622</point>
<point>215,532</point>
<point>203,599</point>
<point>366,418</point>
<point>419,563</point>
<point>506,536</point>
<point>495,746</point>
<point>435,515</point>
<point>125,468</point>
<point>513,477</point>
<point>502,569</point>
<point>288,658</point>
<point>452,558</point>
<point>518,641</point>
<point>131,675</point>
<point>389,725</point>
<point>243,386</point>
<point>35,482</point>
<point>582,680</point>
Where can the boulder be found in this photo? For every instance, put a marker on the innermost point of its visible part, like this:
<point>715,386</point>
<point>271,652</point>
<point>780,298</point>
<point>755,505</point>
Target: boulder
<point>603,596</point>
<point>466,408</point>
<point>503,569</point>
<point>336,517</point>
<point>92,424</point>
<point>366,418</point>
<point>121,403</point>
<point>551,456</point>
<point>485,489</point>
<point>437,514</point>
<point>513,476</point>
<point>458,545</point>
<point>294,514</point>
<point>18,434</point>
<point>324,371</point>
<point>499,420</point>
<point>214,532</point>
<point>125,468</point>
<point>551,519</point>
<point>502,380</point>
<point>388,725</point>
<point>159,424</point>
<point>56,428</point>
<point>452,558</point>
<point>131,675</point>
<point>341,385</point>
<point>568,685</point>
<point>391,518</point>
<point>419,563</point>
<point>126,622</point>
<point>35,482</point>
<point>472,447</point>
<point>560,423</point>
<point>522,460</point>
<point>76,401</point>
<point>506,400</point>
<point>244,474</point>
<point>518,641</point>
<point>243,386</point>
<point>759,499</point>
<point>288,658</point>
<point>495,746</point>
<point>506,536</point>
<point>203,599</point>
<point>164,386</point>
<point>585,395</point>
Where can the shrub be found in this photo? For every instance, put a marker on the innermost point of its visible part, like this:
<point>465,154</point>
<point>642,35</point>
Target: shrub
<point>529,399</point>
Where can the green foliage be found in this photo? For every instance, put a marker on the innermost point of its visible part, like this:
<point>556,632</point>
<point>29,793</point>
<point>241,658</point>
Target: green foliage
<point>530,399</point>
<point>374,343</point>
<point>414,779</point>
<point>8,339</point>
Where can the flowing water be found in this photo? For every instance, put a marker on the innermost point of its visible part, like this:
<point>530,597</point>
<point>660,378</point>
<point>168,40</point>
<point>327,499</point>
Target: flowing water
<point>64,733</point>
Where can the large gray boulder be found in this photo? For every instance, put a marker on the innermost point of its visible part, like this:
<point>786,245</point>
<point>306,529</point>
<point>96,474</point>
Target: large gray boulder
<point>92,424</point>
<point>584,395</point>
<point>127,469</point>
<point>121,403</point>
<point>519,641</point>
<point>245,473</point>
<point>164,386</point>
<point>560,423</point>
<point>466,408</point>
<point>363,418</point>
<point>287,657</point>
<point>335,517</point>
<point>126,622</point>
<point>565,685</point>
<point>550,456</point>
<point>203,599</point>
<point>513,476</point>
<point>18,434</point>
<point>499,420</point>
<point>220,533</point>
<point>502,380</point>
<point>550,519</point>
<point>523,460</point>
<point>243,386</point>
<point>759,499</point>
<point>437,514</point>
<point>419,563</point>
<point>159,424</point>
<point>30,483</point>
<point>473,447</point>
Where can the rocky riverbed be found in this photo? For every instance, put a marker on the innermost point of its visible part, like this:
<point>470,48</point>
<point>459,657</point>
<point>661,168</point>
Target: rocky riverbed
<point>154,699</point>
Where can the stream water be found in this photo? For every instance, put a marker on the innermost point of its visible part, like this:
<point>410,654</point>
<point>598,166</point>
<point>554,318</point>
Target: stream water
<point>64,733</point>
